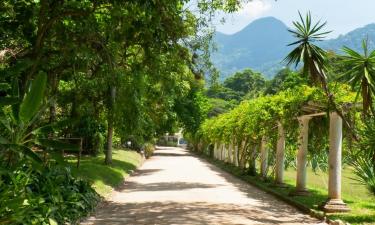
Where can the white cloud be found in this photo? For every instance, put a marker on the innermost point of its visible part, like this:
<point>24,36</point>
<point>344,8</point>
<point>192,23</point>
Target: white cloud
<point>254,9</point>
<point>248,13</point>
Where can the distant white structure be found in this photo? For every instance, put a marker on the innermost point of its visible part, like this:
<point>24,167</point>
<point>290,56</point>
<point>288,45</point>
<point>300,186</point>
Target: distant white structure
<point>177,139</point>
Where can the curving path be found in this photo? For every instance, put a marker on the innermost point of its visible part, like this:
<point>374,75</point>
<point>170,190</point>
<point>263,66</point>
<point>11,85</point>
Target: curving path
<point>174,187</point>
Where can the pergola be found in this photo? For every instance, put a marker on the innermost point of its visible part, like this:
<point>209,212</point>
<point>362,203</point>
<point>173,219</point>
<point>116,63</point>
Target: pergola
<point>334,202</point>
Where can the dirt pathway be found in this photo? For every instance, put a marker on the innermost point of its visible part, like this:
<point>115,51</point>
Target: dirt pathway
<point>174,187</point>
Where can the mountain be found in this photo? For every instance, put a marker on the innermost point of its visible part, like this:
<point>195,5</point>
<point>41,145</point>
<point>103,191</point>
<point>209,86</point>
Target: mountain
<point>263,44</point>
<point>352,39</point>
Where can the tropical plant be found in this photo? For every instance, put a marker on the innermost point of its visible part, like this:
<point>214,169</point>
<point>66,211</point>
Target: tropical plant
<point>365,171</point>
<point>311,55</point>
<point>361,74</point>
<point>314,58</point>
<point>51,196</point>
<point>20,125</point>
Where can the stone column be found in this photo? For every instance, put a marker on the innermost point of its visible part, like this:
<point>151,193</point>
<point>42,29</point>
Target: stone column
<point>280,156</point>
<point>230,152</point>
<point>302,156</point>
<point>263,158</point>
<point>215,150</point>
<point>242,162</point>
<point>235,157</point>
<point>226,151</point>
<point>334,202</point>
<point>222,148</point>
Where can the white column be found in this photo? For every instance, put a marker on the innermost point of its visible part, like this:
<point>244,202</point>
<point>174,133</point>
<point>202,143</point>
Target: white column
<point>334,158</point>
<point>241,160</point>
<point>230,150</point>
<point>222,152</point>
<point>215,150</point>
<point>235,154</point>
<point>302,156</point>
<point>263,158</point>
<point>280,155</point>
<point>225,153</point>
<point>335,203</point>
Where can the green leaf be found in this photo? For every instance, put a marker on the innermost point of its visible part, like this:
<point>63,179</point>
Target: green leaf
<point>57,144</point>
<point>3,140</point>
<point>33,99</point>
<point>8,101</point>
<point>25,150</point>
<point>52,222</point>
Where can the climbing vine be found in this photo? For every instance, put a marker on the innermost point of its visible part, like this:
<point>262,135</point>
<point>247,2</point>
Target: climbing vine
<point>246,124</point>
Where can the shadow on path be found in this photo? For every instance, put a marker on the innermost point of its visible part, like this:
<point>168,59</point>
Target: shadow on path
<point>189,213</point>
<point>164,186</point>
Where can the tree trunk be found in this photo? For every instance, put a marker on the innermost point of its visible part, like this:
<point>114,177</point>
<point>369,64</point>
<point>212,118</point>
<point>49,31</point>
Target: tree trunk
<point>111,106</point>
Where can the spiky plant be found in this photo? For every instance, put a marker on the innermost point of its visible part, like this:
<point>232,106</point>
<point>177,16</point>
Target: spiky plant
<point>361,74</point>
<point>313,57</point>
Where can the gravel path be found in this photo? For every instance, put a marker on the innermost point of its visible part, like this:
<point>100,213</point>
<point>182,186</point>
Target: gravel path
<point>174,187</point>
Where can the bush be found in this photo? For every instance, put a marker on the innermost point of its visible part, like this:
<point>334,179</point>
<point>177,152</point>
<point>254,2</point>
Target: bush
<point>99,140</point>
<point>149,150</point>
<point>49,195</point>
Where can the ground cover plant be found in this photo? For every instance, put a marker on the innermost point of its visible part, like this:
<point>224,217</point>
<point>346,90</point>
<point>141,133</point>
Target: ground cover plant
<point>103,178</point>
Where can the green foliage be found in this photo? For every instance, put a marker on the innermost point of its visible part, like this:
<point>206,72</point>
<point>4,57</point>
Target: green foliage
<point>246,124</point>
<point>98,145</point>
<point>20,130</point>
<point>283,80</point>
<point>221,92</point>
<point>246,82</point>
<point>148,149</point>
<point>106,178</point>
<point>29,196</point>
<point>363,159</point>
<point>219,106</point>
<point>312,56</point>
<point>192,110</point>
<point>365,171</point>
<point>361,74</point>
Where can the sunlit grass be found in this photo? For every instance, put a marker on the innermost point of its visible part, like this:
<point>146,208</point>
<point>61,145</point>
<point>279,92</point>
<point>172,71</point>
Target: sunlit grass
<point>105,178</point>
<point>360,201</point>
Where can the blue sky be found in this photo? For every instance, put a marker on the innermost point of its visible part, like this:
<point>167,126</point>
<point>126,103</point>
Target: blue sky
<point>342,16</point>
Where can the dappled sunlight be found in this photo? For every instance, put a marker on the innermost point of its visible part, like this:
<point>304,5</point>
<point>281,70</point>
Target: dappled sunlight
<point>170,189</point>
<point>191,213</point>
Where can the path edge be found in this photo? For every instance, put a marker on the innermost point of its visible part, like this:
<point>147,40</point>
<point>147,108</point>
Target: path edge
<point>302,208</point>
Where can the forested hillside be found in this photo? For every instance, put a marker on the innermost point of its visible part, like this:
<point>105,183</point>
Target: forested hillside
<point>263,44</point>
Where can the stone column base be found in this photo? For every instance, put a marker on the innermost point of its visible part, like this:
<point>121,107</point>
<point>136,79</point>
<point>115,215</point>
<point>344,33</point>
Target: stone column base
<point>334,205</point>
<point>296,192</point>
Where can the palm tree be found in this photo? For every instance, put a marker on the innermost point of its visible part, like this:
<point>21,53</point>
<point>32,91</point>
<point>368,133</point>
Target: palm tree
<point>314,58</point>
<point>361,74</point>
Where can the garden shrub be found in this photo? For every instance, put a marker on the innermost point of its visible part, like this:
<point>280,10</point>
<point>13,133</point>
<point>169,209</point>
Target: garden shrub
<point>99,140</point>
<point>49,195</point>
<point>149,150</point>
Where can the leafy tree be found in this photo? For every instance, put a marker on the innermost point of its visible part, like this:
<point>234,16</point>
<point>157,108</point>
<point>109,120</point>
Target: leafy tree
<point>219,106</point>
<point>283,80</point>
<point>245,82</point>
<point>227,94</point>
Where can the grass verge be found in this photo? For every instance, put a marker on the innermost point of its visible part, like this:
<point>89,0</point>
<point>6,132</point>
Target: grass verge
<point>362,204</point>
<point>105,178</point>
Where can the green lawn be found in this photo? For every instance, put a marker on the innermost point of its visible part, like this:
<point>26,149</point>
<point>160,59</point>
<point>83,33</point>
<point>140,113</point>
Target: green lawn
<point>105,178</point>
<point>361,202</point>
